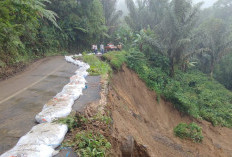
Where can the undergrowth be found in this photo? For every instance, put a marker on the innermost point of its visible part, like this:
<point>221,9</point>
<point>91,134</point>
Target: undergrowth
<point>192,92</point>
<point>189,131</point>
<point>89,144</point>
<point>85,134</point>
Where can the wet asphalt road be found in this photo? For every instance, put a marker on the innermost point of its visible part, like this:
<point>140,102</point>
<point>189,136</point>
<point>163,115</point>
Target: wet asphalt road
<point>23,96</point>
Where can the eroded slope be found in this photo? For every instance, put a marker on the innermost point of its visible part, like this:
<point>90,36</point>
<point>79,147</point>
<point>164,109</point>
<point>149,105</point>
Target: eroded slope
<point>140,118</point>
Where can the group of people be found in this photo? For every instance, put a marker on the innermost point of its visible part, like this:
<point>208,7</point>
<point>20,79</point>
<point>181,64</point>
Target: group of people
<point>95,49</point>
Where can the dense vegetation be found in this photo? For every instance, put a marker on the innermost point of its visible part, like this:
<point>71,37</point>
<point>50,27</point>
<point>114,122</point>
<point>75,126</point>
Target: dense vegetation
<point>34,28</point>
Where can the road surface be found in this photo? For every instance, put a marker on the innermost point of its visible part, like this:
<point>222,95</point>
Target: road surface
<point>24,95</point>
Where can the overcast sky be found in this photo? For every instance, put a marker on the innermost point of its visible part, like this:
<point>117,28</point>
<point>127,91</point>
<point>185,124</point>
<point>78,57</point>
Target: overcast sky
<point>207,3</point>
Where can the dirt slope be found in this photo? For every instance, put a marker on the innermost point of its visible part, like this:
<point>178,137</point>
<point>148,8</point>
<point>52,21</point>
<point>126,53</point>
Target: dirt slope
<point>136,113</point>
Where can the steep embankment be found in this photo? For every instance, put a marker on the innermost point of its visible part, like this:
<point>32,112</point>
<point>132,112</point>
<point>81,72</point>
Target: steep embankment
<point>136,113</point>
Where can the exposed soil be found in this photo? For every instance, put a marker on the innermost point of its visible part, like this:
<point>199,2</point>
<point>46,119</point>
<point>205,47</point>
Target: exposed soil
<point>144,127</point>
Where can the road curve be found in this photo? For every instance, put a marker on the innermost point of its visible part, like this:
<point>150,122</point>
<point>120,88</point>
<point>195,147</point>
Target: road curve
<point>24,95</point>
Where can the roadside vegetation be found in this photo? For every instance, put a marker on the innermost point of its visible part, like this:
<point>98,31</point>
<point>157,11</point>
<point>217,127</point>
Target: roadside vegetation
<point>97,67</point>
<point>115,58</point>
<point>85,136</point>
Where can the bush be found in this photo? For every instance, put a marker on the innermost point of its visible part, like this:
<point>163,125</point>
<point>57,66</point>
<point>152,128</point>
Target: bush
<point>189,131</point>
<point>97,67</point>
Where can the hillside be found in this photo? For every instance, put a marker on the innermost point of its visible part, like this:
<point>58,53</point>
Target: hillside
<point>136,113</point>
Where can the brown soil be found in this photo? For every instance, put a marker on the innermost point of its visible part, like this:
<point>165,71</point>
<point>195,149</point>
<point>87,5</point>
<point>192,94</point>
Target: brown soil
<point>145,127</point>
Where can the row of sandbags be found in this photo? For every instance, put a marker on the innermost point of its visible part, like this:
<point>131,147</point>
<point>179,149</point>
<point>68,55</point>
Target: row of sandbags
<point>43,138</point>
<point>61,104</point>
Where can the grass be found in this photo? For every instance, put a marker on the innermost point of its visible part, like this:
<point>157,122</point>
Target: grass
<point>97,67</point>
<point>115,58</point>
<point>189,131</point>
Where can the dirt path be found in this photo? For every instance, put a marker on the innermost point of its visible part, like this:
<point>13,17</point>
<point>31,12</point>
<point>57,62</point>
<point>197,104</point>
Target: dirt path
<point>24,95</point>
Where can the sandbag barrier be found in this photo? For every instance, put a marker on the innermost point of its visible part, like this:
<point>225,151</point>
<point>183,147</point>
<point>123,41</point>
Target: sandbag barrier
<point>43,138</point>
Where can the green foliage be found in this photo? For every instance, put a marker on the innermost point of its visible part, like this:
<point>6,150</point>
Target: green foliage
<point>73,121</point>
<point>116,58</point>
<point>112,15</point>
<point>102,118</point>
<point>196,94</point>
<point>90,144</point>
<point>154,77</point>
<point>189,131</point>
<point>223,71</point>
<point>97,67</point>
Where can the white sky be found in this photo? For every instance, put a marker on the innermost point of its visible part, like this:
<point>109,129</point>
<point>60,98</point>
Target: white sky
<point>207,3</point>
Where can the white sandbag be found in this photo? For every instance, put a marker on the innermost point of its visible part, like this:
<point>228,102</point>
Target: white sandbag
<point>63,100</point>
<point>52,113</point>
<point>49,134</point>
<point>29,151</point>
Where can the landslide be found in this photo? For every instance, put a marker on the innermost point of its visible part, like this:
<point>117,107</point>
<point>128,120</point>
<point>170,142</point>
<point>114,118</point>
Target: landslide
<point>142,126</point>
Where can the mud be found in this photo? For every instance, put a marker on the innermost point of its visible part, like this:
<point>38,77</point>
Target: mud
<point>136,113</point>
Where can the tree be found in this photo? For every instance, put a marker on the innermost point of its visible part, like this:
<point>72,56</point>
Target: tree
<point>112,15</point>
<point>175,32</point>
<point>217,37</point>
<point>19,23</point>
<point>145,13</point>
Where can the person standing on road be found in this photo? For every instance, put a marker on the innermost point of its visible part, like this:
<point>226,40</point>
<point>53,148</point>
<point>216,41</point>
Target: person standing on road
<point>95,49</point>
<point>102,48</point>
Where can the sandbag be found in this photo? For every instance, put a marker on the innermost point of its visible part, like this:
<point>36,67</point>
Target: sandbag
<point>49,134</point>
<point>40,141</point>
<point>29,151</point>
<point>61,105</point>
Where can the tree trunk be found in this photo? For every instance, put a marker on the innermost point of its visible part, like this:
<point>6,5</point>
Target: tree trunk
<point>211,70</point>
<point>172,69</point>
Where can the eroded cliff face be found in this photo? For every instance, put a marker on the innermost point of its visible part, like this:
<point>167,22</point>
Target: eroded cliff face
<point>144,127</point>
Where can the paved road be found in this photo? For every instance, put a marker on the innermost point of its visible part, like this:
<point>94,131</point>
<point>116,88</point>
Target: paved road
<point>23,96</point>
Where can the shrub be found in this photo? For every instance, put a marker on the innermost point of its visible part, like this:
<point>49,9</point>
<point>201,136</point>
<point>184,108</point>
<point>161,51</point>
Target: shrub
<point>189,131</point>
